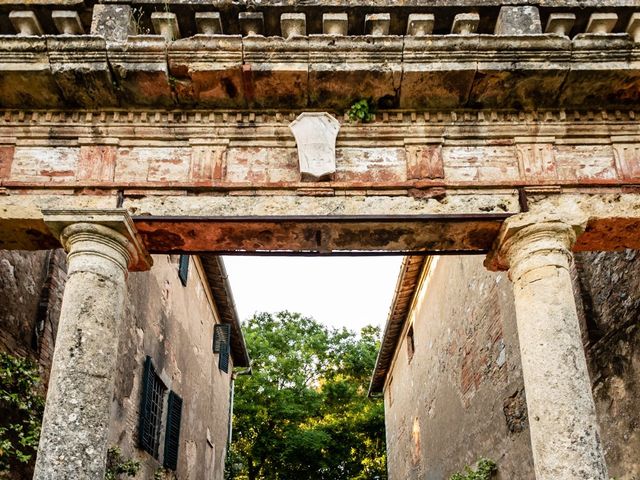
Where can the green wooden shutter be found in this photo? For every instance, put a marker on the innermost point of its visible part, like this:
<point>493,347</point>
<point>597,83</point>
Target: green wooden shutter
<point>172,435</point>
<point>183,269</point>
<point>145,430</point>
<point>222,345</point>
<point>221,334</point>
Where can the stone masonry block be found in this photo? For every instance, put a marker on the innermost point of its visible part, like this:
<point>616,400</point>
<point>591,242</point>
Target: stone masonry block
<point>419,24</point>
<point>112,22</point>
<point>335,23</point>
<point>633,27</point>
<point>166,24</point>
<point>560,23</point>
<point>251,23</point>
<point>293,24</point>
<point>377,24</point>
<point>141,70</point>
<point>602,23</point>
<point>26,80</point>
<point>208,70</point>
<point>465,23</point>
<point>518,20</point>
<point>81,70</point>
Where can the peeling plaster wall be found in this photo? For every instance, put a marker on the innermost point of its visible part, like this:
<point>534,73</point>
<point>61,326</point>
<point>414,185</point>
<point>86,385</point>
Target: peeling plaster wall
<point>461,396</point>
<point>171,323</point>
<point>174,325</point>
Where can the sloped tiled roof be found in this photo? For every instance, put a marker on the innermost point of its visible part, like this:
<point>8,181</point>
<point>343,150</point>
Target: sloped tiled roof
<point>406,286</point>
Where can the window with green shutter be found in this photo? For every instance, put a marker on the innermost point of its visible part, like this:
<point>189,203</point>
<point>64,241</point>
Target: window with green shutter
<point>172,435</point>
<point>151,409</point>
<point>183,269</point>
<point>222,345</point>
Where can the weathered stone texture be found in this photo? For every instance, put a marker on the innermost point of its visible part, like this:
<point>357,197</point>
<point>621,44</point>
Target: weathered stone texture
<point>565,438</point>
<point>174,325</point>
<point>454,399</point>
<point>610,290</point>
<point>463,391</point>
<point>31,287</point>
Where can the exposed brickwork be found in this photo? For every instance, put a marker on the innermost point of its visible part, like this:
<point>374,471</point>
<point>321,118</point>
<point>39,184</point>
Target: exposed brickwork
<point>464,383</point>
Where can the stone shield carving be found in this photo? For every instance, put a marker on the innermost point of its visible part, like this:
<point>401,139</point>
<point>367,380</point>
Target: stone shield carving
<point>316,135</point>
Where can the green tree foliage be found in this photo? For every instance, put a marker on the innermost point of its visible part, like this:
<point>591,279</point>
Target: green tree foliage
<point>21,408</point>
<point>304,413</point>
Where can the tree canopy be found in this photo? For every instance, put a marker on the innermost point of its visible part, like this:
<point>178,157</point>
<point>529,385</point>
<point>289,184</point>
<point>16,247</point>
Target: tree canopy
<point>304,412</point>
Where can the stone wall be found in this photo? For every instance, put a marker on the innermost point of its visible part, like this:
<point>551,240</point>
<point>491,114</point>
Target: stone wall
<point>174,325</point>
<point>165,320</point>
<point>610,289</point>
<point>31,288</point>
<point>462,397</point>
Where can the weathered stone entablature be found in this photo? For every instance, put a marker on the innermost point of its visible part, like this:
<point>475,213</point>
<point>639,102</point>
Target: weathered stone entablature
<point>448,179</point>
<point>212,149</point>
<point>512,57</point>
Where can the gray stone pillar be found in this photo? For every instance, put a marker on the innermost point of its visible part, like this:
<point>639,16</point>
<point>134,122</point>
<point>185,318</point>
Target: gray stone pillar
<point>562,419</point>
<point>73,442</point>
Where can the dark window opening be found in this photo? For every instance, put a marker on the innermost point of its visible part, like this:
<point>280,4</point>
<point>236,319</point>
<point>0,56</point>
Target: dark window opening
<point>151,409</point>
<point>183,269</point>
<point>411,347</point>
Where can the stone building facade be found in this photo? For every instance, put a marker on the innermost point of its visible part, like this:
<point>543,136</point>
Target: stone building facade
<point>171,312</point>
<point>500,127</point>
<point>454,390</point>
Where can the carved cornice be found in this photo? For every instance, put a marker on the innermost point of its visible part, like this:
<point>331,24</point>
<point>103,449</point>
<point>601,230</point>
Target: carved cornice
<point>256,117</point>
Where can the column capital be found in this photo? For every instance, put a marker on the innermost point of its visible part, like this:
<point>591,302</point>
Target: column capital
<point>110,227</point>
<point>524,235</point>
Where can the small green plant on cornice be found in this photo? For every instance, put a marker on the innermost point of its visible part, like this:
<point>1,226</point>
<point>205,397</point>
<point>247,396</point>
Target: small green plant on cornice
<point>361,111</point>
<point>118,466</point>
<point>21,409</point>
<point>484,470</point>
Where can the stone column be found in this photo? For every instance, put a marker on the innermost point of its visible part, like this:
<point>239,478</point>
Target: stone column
<point>564,432</point>
<point>101,247</point>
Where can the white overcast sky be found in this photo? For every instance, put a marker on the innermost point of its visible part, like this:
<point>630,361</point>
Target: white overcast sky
<point>337,291</point>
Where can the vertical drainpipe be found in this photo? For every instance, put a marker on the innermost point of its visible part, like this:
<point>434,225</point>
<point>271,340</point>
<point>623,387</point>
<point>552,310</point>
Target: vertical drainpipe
<point>231,394</point>
<point>232,390</point>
